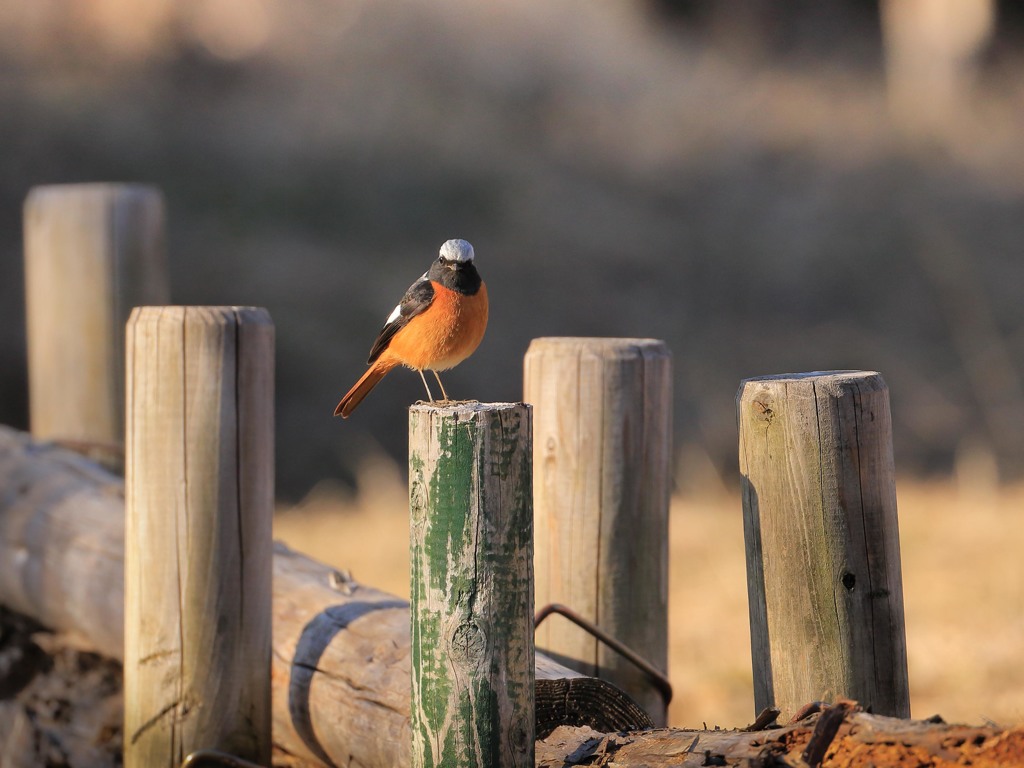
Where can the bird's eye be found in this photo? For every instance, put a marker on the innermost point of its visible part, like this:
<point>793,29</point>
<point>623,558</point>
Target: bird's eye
<point>442,260</point>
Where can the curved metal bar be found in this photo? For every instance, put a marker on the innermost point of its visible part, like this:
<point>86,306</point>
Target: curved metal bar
<point>655,676</point>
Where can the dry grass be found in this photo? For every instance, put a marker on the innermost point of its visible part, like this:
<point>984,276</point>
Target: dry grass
<point>962,569</point>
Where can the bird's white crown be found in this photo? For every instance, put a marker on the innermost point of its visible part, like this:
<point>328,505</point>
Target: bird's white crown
<point>457,250</point>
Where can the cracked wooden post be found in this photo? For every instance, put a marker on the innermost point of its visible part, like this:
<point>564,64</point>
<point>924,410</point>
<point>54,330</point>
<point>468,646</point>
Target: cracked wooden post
<point>602,462</point>
<point>92,252</point>
<point>823,554</point>
<point>199,497</point>
<point>471,503</point>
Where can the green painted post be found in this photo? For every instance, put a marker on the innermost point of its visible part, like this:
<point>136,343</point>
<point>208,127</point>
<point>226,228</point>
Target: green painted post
<point>471,502</point>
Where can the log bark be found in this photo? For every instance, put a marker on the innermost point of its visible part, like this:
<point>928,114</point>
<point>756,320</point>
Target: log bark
<point>340,671</point>
<point>860,739</point>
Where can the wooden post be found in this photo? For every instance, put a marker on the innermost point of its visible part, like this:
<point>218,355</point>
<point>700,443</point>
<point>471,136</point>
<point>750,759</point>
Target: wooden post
<point>602,457</point>
<point>470,497</point>
<point>823,552</point>
<point>199,501</point>
<point>92,252</point>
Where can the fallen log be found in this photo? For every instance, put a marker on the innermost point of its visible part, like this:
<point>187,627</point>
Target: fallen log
<point>340,671</point>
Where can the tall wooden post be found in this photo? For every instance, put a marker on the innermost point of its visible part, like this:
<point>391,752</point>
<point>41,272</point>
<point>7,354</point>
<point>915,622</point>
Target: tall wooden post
<point>602,458</point>
<point>92,252</point>
<point>470,497</point>
<point>199,499</point>
<point>823,552</point>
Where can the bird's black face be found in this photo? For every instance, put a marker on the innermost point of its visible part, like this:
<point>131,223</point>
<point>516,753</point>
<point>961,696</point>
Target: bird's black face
<point>451,264</point>
<point>457,275</point>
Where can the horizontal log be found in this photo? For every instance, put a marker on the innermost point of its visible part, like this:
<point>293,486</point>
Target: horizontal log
<point>340,674</point>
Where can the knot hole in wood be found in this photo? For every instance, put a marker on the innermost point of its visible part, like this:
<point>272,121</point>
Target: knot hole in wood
<point>468,643</point>
<point>763,410</point>
<point>417,498</point>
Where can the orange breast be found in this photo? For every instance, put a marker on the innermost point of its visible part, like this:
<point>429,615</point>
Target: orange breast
<point>445,334</point>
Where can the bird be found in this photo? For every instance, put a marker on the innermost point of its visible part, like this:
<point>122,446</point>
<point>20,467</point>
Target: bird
<point>439,322</point>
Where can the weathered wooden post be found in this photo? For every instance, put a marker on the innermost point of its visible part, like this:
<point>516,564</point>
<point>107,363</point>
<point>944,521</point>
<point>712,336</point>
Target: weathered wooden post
<point>823,552</point>
<point>602,458</point>
<point>199,499</point>
<point>92,252</point>
<point>470,498</point>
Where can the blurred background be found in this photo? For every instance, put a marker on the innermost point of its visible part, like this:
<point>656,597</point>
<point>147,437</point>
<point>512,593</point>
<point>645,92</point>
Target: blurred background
<point>768,187</point>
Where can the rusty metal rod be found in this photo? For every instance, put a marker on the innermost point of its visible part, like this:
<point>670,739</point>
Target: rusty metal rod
<point>655,676</point>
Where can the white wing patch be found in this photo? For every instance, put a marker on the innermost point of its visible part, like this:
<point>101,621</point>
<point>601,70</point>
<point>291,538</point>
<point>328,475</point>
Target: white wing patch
<point>397,311</point>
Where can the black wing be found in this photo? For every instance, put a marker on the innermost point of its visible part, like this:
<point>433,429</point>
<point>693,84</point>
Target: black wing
<point>416,299</point>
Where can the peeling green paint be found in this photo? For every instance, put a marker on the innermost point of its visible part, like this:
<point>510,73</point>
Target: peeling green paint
<point>472,588</point>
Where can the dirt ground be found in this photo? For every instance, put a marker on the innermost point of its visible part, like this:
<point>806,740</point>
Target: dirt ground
<point>59,706</point>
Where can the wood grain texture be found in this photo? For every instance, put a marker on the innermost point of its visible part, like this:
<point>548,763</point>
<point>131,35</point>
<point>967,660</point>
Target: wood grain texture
<point>199,509</point>
<point>92,252</point>
<point>602,478</point>
<point>471,502</point>
<point>566,697</point>
<point>823,557</point>
<point>62,540</point>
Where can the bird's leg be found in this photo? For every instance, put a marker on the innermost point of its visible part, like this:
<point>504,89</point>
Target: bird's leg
<point>436,376</point>
<point>430,396</point>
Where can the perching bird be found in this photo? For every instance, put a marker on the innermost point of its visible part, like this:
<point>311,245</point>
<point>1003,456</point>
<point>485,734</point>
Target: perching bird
<point>437,324</point>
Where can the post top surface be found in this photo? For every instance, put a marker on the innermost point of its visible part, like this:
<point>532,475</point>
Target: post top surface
<point>612,341</point>
<point>843,375</point>
<point>181,311</point>
<point>822,382</point>
<point>93,188</point>
<point>599,345</point>
<point>462,406</point>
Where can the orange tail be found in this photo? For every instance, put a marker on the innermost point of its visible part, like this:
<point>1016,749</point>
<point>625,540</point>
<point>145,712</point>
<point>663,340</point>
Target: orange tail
<point>362,388</point>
